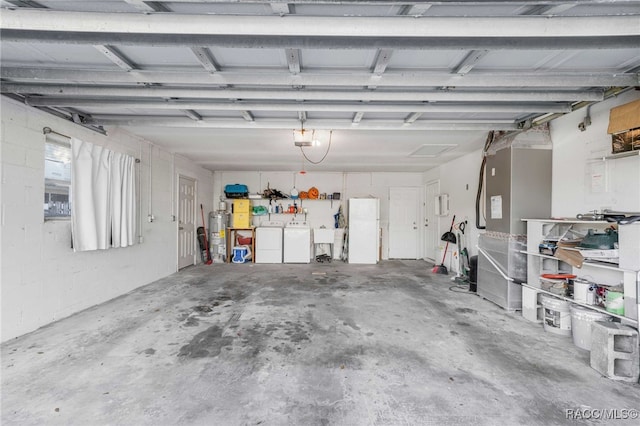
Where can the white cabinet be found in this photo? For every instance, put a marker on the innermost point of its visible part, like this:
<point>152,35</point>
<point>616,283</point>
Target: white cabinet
<point>624,273</point>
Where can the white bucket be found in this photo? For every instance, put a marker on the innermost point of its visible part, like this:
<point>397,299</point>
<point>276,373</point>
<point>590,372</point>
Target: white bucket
<point>555,286</point>
<point>557,318</point>
<point>580,291</point>
<point>581,319</point>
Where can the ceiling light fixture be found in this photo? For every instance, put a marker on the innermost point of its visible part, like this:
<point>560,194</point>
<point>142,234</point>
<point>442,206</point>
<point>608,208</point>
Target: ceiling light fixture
<point>316,142</point>
<point>307,138</point>
<point>303,137</point>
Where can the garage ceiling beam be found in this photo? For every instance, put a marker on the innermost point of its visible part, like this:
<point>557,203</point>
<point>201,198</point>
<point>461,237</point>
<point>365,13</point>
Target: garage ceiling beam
<point>205,57</point>
<point>548,9</point>
<point>310,78</point>
<point>192,114</point>
<point>416,9</point>
<point>293,59</point>
<point>240,123</point>
<point>22,3</point>
<point>280,8</point>
<point>116,57</point>
<point>412,118</point>
<point>293,31</point>
<point>401,2</point>
<point>470,61</point>
<point>247,116</point>
<point>149,6</point>
<point>300,106</point>
<point>320,42</point>
<point>113,92</point>
<point>383,57</point>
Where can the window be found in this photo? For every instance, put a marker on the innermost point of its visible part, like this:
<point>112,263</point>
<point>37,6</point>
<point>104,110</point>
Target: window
<point>57,180</point>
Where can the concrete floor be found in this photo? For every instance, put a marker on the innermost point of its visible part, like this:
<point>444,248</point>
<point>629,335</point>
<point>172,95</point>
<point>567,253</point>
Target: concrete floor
<point>300,345</point>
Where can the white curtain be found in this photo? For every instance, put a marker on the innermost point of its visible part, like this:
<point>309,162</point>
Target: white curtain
<point>102,197</point>
<point>123,200</point>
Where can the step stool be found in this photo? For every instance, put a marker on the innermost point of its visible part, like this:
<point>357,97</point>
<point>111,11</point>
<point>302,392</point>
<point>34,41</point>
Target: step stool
<point>614,351</point>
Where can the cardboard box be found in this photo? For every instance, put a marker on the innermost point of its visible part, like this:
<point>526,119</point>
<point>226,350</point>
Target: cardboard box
<point>624,117</point>
<point>625,141</point>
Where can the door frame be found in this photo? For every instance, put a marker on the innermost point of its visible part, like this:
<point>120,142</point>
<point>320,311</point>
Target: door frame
<point>420,217</point>
<point>430,206</point>
<point>177,218</point>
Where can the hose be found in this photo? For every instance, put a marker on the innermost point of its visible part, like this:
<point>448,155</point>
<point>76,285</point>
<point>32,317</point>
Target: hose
<point>487,144</point>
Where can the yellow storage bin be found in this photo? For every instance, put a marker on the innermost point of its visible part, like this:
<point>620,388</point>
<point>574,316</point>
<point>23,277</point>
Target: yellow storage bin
<point>241,206</point>
<point>241,220</point>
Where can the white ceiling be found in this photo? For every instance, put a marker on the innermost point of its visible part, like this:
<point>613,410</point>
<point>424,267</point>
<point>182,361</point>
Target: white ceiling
<point>225,83</point>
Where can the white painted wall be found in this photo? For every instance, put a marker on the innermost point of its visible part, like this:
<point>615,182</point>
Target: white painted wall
<point>349,185</point>
<point>43,280</point>
<point>574,154</point>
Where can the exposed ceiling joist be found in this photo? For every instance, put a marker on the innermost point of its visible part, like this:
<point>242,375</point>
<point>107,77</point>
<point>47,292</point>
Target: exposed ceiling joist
<point>320,42</point>
<point>549,9</point>
<point>350,32</point>
<point>383,57</point>
<point>404,2</point>
<point>417,9</point>
<point>280,8</point>
<point>192,114</point>
<point>459,95</point>
<point>293,60</point>
<point>148,6</point>
<point>420,125</point>
<point>411,118</point>
<point>116,57</point>
<point>248,116</point>
<point>470,61</point>
<point>205,57</point>
<point>354,79</point>
<point>22,3</point>
<point>301,106</point>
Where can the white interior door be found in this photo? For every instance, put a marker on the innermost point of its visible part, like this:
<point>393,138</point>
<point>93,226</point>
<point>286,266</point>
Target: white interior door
<point>186,222</point>
<point>404,229</point>
<point>430,221</point>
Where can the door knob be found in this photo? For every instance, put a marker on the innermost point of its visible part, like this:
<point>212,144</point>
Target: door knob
<point>180,228</point>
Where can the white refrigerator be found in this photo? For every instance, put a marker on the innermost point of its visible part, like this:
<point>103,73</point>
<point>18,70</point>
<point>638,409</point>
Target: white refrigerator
<point>364,230</point>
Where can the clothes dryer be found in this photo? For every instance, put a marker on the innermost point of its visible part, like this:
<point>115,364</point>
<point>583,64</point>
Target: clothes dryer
<point>269,242</point>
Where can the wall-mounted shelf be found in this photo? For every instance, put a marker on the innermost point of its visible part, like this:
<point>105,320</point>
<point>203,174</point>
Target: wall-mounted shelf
<point>585,263</point>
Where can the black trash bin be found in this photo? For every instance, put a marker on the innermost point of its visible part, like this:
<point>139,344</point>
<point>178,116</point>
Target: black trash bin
<point>473,273</point>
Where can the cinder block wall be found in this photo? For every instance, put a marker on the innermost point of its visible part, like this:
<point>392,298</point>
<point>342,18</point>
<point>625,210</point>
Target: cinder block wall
<point>43,280</point>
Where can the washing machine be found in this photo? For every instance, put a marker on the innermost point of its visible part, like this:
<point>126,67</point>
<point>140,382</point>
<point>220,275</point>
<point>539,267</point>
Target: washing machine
<point>297,242</point>
<point>269,242</point>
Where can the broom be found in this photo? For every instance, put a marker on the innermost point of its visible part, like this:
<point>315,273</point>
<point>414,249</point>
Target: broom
<point>441,269</point>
